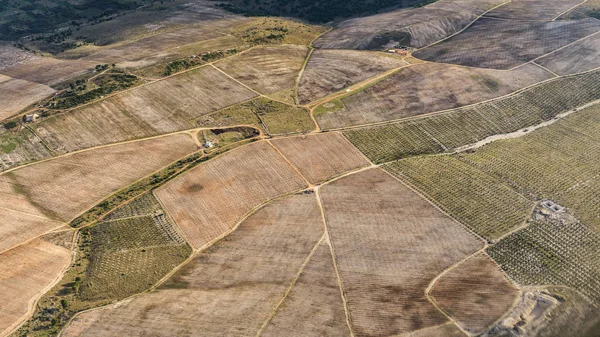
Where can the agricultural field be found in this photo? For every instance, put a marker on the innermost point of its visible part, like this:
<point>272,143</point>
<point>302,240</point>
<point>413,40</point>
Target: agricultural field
<point>48,71</point>
<point>275,118</point>
<point>27,271</point>
<point>475,293</point>
<point>210,199</point>
<point>19,147</point>
<point>389,244</point>
<point>329,71</point>
<point>160,107</point>
<point>117,257</point>
<point>320,157</point>
<point>233,286</point>
<point>555,253</point>
<point>542,10</point>
<point>415,27</point>
<point>18,94</point>
<point>314,307</point>
<point>450,130</point>
<point>579,57</point>
<point>445,330</point>
<point>270,70</point>
<point>587,9</point>
<point>486,204</point>
<point>64,187</point>
<point>426,88</point>
<point>504,44</point>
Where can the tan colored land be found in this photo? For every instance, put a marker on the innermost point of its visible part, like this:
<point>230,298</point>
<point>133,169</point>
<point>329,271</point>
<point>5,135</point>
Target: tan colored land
<point>426,88</point>
<point>329,71</point>
<point>18,94</point>
<point>389,244</point>
<point>210,199</point>
<point>446,330</point>
<point>160,107</point>
<point>25,272</point>
<point>229,289</point>
<point>64,187</point>
<point>270,70</point>
<point>322,156</point>
<point>314,305</point>
<point>533,9</point>
<point>17,227</point>
<point>48,71</point>
<point>476,293</point>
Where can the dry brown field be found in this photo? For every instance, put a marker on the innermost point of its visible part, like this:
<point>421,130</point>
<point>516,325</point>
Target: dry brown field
<point>446,330</point>
<point>210,199</point>
<point>504,44</point>
<point>585,10</point>
<point>476,293</point>
<point>425,88</point>
<point>160,107</point>
<point>68,185</point>
<point>228,290</point>
<point>17,227</point>
<point>48,71</point>
<point>390,243</point>
<point>532,9</point>
<point>270,70</point>
<point>322,156</point>
<point>25,272</point>
<point>578,57</point>
<point>329,71</point>
<point>314,307</point>
<point>18,94</point>
<point>416,27</point>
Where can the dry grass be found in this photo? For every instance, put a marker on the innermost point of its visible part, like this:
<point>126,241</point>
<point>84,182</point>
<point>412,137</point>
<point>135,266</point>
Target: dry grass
<point>329,71</point>
<point>314,307</point>
<point>161,107</point>
<point>20,147</point>
<point>270,70</point>
<point>229,289</point>
<point>18,94</point>
<point>578,57</point>
<point>17,227</point>
<point>320,157</point>
<point>446,330</point>
<point>503,44</point>
<point>26,271</point>
<point>68,185</point>
<point>532,9</point>
<point>389,244</point>
<point>210,199</point>
<point>415,27</point>
<point>476,293</point>
<point>48,71</point>
<point>426,88</point>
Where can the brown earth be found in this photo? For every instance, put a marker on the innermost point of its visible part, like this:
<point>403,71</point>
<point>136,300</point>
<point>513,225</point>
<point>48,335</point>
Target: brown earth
<point>210,199</point>
<point>390,243</point>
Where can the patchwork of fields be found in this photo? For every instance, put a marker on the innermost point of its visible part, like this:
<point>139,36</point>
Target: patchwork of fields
<point>180,169</point>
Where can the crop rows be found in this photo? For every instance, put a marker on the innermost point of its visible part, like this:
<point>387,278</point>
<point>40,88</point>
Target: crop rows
<point>447,131</point>
<point>553,253</point>
<point>144,205</point>
<point>129,255</point>
<point>484,203</point>
<point>559,162</point>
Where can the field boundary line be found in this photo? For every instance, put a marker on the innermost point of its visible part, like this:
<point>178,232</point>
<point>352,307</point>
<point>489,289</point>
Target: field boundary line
<point>340,281</point>
<point>52,152</point>
<point>51,230</point>
<point>568,10</point>
<point>430,201</point>
<point>291,286</point>
<point>462,30</point>
<point>30,214</point>
<point>309,185</point>
<point>447,111</point>
<point>559,49</point>
<point>411,333</point>
<point>33,302</point>
<point>544,68</point>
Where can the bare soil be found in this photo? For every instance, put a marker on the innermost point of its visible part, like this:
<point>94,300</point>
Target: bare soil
<point>210,199</point>
<point>18,94</point>
<point>390,243</point>
<point>578,57</point>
